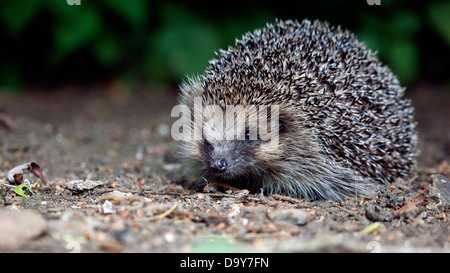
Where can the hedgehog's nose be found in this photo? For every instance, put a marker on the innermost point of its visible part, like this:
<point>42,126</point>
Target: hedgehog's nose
<point>219,165</point>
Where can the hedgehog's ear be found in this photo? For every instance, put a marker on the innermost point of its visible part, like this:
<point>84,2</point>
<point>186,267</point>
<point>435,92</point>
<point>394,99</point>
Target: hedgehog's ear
<point>189,90</point>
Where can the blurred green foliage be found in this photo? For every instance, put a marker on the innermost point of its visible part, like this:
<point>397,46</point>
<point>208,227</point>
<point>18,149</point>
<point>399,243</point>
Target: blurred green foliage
<point>49,42</point>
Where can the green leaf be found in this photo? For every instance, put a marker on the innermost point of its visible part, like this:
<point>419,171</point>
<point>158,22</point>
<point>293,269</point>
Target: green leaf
<point>19,190</point>
<point>17,14</point>
<point>372,227</point>
<point>439,14</point>
<point>182,45</point>
<point>107,49</point>
<point>370,32</point>
<point>133,11</point>
<point>403,58</point>
<point>77,29</point>
<point>404,24</point>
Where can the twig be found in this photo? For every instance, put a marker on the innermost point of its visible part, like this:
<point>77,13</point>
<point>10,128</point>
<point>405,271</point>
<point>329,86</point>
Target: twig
<point>223,195</point>
<point>345,209</point>
<point>8,122</point>
<point>213,194</point>
<point>2,182</point>
<point>160,193</point>
<point>164,214</point>
<point>289,199</point>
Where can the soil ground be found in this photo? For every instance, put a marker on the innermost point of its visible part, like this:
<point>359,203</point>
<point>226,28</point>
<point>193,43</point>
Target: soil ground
<point>120,141</point>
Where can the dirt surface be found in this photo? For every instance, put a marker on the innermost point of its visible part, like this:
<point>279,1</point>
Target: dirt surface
<point>115,185</point>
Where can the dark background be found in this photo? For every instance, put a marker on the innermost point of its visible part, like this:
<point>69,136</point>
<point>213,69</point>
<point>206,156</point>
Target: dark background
<point>49,43</point>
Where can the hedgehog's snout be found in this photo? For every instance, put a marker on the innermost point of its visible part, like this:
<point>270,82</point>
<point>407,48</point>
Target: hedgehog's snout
<point>218,165</point>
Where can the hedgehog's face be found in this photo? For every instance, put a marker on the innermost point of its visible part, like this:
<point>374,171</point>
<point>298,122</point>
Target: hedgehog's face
<point>230,160</point>
<point>236,154</point>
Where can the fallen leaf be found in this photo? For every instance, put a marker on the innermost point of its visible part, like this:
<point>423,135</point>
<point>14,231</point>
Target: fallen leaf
<point>124,213</point>
<point>15,175</point>
<point>372,227</point>
<point>443,167</point>
<point>37,171</point>
<point>19,190</point>
<point>441,216</point>
<point>391,236</point>
<point>406,207</point>
<point>221,226</point>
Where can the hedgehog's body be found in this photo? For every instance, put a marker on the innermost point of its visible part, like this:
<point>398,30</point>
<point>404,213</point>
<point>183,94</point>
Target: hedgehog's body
<point>344,124</point>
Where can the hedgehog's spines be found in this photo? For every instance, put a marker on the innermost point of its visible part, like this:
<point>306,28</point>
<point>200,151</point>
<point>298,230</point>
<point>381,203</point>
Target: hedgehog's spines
<point>347,125</point>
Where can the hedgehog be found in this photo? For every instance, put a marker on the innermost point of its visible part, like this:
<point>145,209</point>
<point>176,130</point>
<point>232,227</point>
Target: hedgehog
<point>344,127</point>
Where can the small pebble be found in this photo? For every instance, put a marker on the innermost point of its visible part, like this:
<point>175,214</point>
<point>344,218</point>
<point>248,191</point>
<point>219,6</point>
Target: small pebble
<point>108,207</point>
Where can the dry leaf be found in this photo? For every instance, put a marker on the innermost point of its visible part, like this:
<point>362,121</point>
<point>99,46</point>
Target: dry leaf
<point>15,175</point>
<point>407,207</point>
